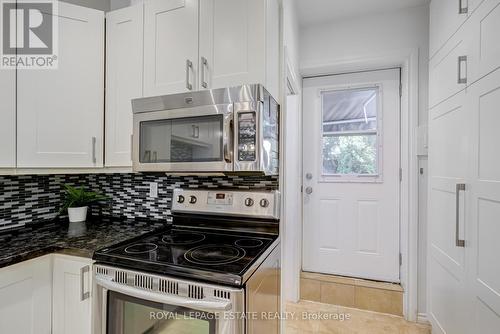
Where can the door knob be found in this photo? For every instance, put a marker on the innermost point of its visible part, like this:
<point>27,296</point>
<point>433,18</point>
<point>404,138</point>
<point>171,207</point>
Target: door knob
<point>309,190</point>
<point>309,176</point>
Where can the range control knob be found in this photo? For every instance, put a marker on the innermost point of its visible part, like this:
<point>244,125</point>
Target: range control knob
<point>180,199</point>
<point>249,201</point>
<point>192,199</point>
<point>264,203</point>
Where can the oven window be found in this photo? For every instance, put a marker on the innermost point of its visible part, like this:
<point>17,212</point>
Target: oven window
<point>192,139</point>
<point>130,315</point>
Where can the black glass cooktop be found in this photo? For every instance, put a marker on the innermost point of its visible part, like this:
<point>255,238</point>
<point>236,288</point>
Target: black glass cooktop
<point>197,253</point>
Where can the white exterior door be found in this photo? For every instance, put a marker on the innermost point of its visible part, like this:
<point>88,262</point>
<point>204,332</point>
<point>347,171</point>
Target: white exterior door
<point>170,46</point>
<point>124,52</point>
<point>351,127</point>
<point>60,113</point>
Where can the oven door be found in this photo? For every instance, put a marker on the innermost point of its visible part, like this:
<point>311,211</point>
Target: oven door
<point>122,309</point>
<point>197,139</point>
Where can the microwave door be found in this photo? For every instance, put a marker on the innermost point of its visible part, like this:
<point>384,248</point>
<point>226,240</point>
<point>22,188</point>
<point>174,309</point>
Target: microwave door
<point>184,140</point>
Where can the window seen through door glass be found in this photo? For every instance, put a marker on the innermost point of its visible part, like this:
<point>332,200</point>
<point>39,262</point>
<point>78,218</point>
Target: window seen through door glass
<point>350,126</point>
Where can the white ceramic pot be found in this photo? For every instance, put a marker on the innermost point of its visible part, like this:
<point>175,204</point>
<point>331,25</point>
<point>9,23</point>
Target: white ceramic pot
<point>77,214</point>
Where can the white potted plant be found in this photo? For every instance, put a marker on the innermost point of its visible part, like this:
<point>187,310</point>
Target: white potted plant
<point>77,201</point>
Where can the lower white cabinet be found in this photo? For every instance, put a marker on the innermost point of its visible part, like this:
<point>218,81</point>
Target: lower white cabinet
<point>72,282</point>
<point>26,296</point>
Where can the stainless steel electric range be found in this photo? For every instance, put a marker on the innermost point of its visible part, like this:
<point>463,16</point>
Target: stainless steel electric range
<point>216,269</point>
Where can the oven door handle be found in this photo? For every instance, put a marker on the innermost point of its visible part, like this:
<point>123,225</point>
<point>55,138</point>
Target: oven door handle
<point>207,305</point>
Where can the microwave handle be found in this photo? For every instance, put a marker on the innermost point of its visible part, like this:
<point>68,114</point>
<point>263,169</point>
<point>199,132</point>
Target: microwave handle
<point>228,142</point>
<point>208,304</point>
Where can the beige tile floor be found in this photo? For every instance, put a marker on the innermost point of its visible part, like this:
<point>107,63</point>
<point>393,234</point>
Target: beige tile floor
<point>355,321</point>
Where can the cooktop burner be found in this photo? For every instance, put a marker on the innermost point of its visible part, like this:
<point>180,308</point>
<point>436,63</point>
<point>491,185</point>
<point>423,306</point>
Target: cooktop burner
<point>248,243</point>
<point>141,248</point>
<point>183,238</point>
<point>214,254</point>
<point>190,252</point>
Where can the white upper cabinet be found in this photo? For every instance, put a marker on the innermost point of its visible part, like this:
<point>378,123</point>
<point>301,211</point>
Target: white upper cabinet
<point>60,112</point>
<point>170,46</point>
<point>124,52</point>
<point>8,118</point>
<point>239,43</point>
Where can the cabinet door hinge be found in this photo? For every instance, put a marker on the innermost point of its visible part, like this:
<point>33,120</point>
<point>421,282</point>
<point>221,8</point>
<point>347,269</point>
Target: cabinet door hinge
<point>400,174</point>
<point>400,259</point>
<point>400,89</point>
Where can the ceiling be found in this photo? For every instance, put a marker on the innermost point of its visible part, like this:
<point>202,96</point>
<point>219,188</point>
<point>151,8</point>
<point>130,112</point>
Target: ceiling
<point>320,11</point>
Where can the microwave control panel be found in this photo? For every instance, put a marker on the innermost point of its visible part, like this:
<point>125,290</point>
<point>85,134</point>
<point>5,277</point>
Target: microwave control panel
<point>247,136</point>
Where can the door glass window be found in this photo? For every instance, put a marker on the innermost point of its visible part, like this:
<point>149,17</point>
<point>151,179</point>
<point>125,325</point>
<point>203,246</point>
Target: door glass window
<point>193,139</point>
<point>130,315</point>
<point>350,132</point>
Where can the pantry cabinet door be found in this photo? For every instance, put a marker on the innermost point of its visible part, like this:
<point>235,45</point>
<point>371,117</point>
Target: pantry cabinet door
<point>233,42</point>
<point>124,52</point>
<point>25,297</point>
<point>8,118</point>
<point>72,295</point>
<point>60,112</point>
<point>481,239</point>
<point>170,46</point>
<point>450,151</point>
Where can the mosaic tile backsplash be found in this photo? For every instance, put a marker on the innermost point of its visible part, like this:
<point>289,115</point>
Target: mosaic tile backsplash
<point>35,198</point>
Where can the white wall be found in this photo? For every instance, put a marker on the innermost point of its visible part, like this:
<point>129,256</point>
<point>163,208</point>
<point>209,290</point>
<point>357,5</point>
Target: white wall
<point>291,156</point>
<point>370,37</point>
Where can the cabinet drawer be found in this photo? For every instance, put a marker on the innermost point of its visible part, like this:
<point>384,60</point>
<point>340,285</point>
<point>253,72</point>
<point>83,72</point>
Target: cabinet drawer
<point>448,70</point>
<point>446,17</point>
<point>484,27</point>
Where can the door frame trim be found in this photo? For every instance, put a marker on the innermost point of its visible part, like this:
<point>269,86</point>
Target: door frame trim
<point>408,61</point>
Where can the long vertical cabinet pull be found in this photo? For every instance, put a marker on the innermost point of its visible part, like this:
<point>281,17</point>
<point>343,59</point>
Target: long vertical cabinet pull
<point>94,155</point>
<point>463,6</point>
<point>459,242</point>
<point>462,70</point>
<point>189,66</point>
<point>84,294</point>
<point>204,66</point>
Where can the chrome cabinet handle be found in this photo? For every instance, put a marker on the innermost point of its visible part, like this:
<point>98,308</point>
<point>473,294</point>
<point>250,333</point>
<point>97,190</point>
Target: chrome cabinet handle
<point>204,66</point>
<point>463,8</point>
<point>94,155</point>
<point>84,294</point>
<point>196,131</point>
<point>462,78</point>
<point>459,242</point>
<point>189,66</point>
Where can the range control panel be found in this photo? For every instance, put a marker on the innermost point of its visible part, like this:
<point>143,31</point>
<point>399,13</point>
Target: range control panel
<point>258,204</point>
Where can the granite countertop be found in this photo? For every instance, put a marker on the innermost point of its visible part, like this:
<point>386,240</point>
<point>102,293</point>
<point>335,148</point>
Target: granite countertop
<point>58,236</point>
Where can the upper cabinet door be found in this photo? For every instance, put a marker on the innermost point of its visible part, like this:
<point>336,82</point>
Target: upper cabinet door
<point>124,52</point>
<point>60,112</point>
<point>233,42</point>
<point>8,118</point>
<point>170,46</point>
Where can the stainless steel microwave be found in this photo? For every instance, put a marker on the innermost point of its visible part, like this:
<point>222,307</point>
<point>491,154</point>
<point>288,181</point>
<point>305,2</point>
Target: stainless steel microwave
<point>229,130</point>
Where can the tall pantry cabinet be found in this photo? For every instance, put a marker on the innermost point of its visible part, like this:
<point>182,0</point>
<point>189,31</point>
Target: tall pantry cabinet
<point>464,183</point>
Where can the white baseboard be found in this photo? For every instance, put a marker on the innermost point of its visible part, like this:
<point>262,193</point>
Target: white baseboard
<point>422,319</point>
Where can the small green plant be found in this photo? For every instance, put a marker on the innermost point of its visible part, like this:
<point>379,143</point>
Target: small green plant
<point>75,197</point>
